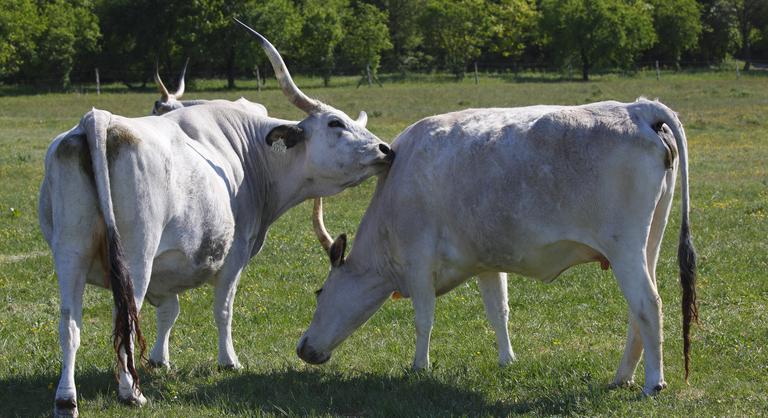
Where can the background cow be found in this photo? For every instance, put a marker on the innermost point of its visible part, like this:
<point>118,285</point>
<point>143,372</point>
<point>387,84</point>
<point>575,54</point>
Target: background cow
<point>192,194</point>
<point>170,101</point>
<point>531,190</point>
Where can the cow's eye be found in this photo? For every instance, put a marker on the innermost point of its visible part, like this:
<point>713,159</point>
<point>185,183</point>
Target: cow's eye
<point>318,291</point>
<point>336,124</point>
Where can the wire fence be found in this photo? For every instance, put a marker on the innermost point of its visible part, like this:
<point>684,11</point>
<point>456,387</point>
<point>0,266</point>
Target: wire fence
<point>121,78</point>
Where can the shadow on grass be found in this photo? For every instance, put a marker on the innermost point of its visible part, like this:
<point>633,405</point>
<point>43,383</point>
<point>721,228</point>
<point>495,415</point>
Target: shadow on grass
<point>307,392</point>
<point>33,395</point>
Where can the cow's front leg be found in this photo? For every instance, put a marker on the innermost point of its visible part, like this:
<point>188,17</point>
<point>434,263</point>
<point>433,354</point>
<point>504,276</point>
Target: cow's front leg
<point>71,276</point>
<point>167,313</point>
<point>645,307</point>
<point>493,288</point>
<point>424,307</point>
<point>222,313</point>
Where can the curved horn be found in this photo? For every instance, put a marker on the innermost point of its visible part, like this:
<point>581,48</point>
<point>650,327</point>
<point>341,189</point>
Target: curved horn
<point>295,96</point>
<point>160,85</point>
<point>317,222</point>
<point>180,90</point>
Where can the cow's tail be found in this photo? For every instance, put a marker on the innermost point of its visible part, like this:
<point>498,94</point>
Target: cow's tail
<point>686,254</point>
<point>95,124</point>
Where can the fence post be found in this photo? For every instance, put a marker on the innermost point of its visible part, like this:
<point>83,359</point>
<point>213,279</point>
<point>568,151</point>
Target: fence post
<point>258,79</point>
<point>570,72</point>
<point>98,83</point>
<point>476,80</point>
<point>657,70</point>
<point>738,74</point>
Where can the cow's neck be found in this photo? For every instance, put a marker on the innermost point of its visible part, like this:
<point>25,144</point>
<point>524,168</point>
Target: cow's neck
<point>372,253</point>
<point>275,178</point>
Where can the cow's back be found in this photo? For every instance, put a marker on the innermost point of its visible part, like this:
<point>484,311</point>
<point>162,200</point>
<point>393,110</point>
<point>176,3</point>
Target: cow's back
<point>502,188</point>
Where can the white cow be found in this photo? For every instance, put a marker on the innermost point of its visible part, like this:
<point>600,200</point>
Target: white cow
<point>170,101</point>
<point>530,190</point>
<point>192,194</point>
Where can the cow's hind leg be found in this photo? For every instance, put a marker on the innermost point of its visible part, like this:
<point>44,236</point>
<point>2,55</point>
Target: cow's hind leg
<point>645,311</point>
<point>71,268</point>
<point>625,375</point>
<point>167,313</point>
<point>634,347</point>
<point>224,299</point>
<point>139,263</point>
<point>493,288</point>
<point>424,299</point>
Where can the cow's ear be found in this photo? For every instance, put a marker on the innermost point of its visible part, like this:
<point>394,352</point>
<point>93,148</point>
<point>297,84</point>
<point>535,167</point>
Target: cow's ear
<point>337,250</point>
<point>290,134</point>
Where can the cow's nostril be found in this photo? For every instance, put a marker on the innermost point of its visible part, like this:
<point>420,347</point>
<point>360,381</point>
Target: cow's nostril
<point>384,148</point>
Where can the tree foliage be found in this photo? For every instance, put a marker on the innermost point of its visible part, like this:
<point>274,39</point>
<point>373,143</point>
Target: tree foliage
<point>321,32</point>
<point>458,29</point>
<point>43,40</point>
<point>366,36</point>
<point>597,33</point>
<point>52,41</point>
<point>678,25</point>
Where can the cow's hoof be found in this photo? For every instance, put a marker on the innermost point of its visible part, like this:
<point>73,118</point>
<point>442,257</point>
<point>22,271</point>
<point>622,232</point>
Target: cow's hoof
<point>230,367</point>
<point>136,400</point>
<point>655,390</point>
<point>507,360</point>
<point>159,364</point>
<point>65,408</point>
<point>616,384</point>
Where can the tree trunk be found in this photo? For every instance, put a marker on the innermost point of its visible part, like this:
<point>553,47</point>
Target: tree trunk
<point>231,68</point>
<point>745,27</point>
<point>747,52</point>
<point>584,66</point>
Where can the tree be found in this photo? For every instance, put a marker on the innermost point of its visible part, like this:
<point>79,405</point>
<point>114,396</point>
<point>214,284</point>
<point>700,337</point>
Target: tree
<point>278,20</point>
<point>719,32</point>
<point>678,26</point>
<point>751,15</point>
<point>366,36</point>
<point>45,39</point>
<point>405,32</point>
<point>596,33</point>
<point>71,31</point>
<point>136,34</point>
<point>457,31</point>
<point>322,30</point>
<point>513,28</point>
<point>19,27</point>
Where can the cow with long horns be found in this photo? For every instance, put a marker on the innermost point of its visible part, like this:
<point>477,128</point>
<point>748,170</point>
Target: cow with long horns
<point>150,207</point>
<point>531,190</point>
<point>169,102</point>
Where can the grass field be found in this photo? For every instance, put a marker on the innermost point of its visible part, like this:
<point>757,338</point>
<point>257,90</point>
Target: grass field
<point>568,335</point>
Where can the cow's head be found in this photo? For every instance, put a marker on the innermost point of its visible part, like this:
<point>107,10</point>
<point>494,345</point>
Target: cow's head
<point>350,295</point>
<point>168,101</point>
<point>340,151</point>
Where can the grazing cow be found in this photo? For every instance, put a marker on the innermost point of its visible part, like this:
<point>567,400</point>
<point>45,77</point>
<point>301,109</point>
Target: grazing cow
<point>192,194</point>
<point>531,190</point>
<point>170,101</point>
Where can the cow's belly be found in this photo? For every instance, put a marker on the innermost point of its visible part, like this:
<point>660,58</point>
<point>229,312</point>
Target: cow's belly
<point>549,261</point>
<point>174,272</point>
<point>538,261</point>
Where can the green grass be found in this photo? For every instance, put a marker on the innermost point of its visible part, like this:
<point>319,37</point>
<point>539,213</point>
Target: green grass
<point>568,335</point>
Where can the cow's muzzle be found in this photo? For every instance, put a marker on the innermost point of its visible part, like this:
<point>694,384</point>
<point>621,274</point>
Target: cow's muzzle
<point>308,354</point>
<point>389,155</point>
